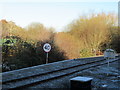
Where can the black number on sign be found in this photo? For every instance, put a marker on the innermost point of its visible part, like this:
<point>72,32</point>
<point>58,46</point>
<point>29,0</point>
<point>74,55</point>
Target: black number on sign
<point>47,47</point>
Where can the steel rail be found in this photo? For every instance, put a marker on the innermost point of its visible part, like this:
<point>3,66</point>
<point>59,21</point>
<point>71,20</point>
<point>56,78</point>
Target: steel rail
<point>35,79</point>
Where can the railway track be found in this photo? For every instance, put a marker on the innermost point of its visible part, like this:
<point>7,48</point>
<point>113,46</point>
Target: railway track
<point>31,76</point>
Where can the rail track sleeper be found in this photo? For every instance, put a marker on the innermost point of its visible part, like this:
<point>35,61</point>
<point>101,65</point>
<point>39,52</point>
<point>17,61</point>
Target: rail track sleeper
<point>22,73</point>
<point>50,76</point>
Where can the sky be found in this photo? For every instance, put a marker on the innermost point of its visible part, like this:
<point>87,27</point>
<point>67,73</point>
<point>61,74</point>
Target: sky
<point>57,14</point>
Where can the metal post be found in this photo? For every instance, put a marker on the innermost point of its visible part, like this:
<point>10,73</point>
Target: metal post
<point>46,57</point>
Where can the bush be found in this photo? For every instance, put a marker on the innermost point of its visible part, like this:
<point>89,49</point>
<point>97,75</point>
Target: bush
<point>85,53</point>
<point>23,54</point>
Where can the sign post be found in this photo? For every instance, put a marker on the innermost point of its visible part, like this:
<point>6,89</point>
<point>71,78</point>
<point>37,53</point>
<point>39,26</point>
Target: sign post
<point>47,48</point>
<point>109,54</point>
<point>46,57</point>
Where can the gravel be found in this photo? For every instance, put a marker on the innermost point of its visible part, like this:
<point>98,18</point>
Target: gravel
<point>103,78</point>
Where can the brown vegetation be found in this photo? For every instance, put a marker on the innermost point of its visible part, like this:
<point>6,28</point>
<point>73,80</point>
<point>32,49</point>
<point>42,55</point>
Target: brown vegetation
<point>84,37</point>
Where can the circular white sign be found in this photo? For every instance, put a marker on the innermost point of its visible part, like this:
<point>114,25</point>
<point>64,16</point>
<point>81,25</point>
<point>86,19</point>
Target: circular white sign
<point>47,47</point>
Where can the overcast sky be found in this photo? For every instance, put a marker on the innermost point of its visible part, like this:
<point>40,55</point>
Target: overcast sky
<point>50,13</point>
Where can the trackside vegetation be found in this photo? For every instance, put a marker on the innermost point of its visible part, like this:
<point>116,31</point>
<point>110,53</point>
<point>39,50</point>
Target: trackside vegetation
<point>83,37</point>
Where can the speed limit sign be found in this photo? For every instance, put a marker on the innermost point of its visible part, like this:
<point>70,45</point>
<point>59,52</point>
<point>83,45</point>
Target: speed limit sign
<point>47,47</point>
